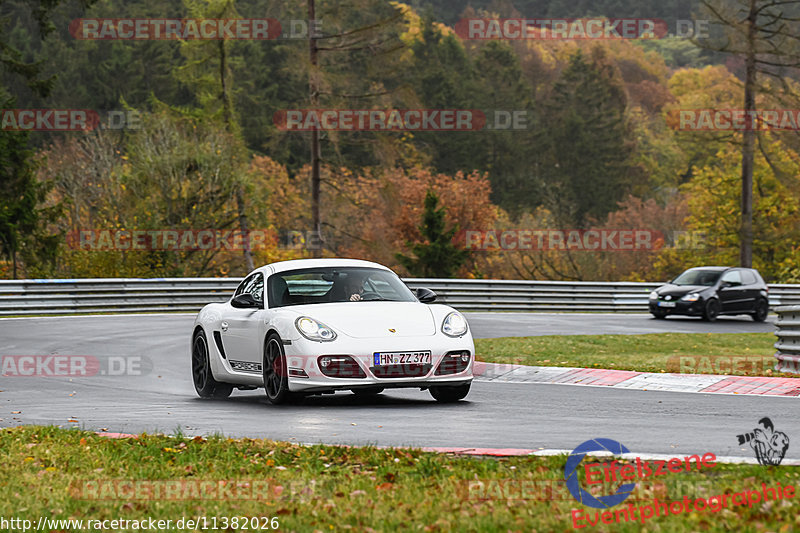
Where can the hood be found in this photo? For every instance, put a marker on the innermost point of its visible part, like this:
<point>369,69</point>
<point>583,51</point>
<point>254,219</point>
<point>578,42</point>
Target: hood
<point>363,320</point>
<point>677,291</point>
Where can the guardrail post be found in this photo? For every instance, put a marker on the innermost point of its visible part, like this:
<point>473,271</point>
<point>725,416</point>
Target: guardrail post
<point>788,344</point>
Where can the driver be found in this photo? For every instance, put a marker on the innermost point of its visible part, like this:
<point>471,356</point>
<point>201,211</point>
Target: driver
<point>354,287</point>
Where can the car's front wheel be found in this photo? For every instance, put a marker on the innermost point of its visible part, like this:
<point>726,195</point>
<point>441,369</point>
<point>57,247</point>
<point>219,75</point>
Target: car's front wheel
<point>276,374</point>
<point>711,311</point>
<point>762,310</point>
<point>204,382</point>
<point>659,313</point>
<point>446,394</point>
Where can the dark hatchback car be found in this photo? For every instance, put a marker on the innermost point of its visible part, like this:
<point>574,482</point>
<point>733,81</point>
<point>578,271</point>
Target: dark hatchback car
<point>712,291</point>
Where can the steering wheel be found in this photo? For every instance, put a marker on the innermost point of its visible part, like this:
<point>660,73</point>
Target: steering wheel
<point>370,295</point>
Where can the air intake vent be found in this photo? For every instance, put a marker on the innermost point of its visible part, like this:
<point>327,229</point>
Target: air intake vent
<point>218,342</point>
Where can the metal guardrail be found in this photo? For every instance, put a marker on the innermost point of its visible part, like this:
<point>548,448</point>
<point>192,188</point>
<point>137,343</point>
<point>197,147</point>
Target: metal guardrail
<point>788,344</point>
<point>81,296</point>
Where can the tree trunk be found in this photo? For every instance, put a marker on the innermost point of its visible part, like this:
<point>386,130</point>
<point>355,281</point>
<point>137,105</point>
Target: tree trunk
<point>313,92</point>
<point>748,144</point>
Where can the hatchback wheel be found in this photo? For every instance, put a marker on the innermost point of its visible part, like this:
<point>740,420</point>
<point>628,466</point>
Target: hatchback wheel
<point>659,313</point>
<point>711,311</point>
<point>761,312</point>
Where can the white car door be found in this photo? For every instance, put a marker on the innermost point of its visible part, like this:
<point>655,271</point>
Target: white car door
<point>244,329</point>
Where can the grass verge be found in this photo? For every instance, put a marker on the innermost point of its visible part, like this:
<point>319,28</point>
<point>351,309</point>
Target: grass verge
<point>741,354</point>
<point>64,474</point>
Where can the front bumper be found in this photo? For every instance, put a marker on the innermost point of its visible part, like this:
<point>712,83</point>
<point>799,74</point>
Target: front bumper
<point>304,355</point>
<point>681,307</point>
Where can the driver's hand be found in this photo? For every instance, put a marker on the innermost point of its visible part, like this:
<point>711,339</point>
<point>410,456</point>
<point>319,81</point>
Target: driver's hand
<point>355,298</point>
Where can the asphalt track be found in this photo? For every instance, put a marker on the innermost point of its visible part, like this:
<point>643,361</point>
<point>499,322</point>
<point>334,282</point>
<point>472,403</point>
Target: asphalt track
<point>495,415</point>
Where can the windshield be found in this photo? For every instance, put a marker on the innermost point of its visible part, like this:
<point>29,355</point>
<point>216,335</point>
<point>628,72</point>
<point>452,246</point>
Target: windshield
<point>698,276</point>
<point>331,285</point>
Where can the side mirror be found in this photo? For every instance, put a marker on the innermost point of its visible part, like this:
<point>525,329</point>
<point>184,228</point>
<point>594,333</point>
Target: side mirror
<point>425,296</point>
<point>245,301</point>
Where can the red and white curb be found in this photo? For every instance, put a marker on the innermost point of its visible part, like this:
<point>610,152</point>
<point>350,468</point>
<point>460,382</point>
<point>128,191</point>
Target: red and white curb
<point>625,379</point>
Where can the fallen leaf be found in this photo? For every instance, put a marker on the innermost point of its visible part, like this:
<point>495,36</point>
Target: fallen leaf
<point>358,493</point>
<point>16,412</point>
<point>71,420</point>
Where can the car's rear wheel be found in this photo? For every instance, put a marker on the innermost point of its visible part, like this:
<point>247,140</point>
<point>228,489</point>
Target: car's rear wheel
<point>659,313</point>
<point>204,382</point>
<point>762,310</point>
<point>711,311</point>
<point>276,375</point>
<point>366,393</point>
<point>446,394</point>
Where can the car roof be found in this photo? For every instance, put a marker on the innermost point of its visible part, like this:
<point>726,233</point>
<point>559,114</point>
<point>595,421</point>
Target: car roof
<point>712,268</point>
<point>295,264</point>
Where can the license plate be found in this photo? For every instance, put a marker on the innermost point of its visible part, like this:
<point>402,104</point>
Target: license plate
<point>402,358</point>
<point>666,304</point>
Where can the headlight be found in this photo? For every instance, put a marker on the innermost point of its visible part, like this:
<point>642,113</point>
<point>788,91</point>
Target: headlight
<point>691,297</point>
<point>454,325</point>
<point>313,330</point>
<point>654,295</point>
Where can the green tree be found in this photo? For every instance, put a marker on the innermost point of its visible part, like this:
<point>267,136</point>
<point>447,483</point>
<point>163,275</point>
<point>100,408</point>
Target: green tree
<point>437,256</point>
<point>208,69</point>
<point>22,219</point>
<point>586,167</point>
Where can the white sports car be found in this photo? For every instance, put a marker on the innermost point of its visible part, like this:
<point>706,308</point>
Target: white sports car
<point>324,325</point>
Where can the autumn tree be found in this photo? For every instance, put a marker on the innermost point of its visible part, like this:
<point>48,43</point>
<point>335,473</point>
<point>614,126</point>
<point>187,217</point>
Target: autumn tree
<point>360,42</point>
<point>764,33</point>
